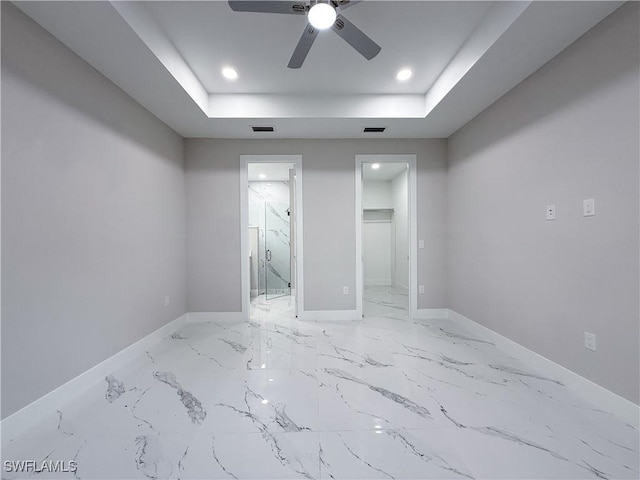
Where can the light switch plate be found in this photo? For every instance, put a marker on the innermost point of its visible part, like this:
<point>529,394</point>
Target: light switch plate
<point>590,341</point>
<point>589,207</point>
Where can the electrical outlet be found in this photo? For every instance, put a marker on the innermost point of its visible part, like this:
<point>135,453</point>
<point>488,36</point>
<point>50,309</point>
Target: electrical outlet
<point>420,243</point>
<point>167,301</point>
<point>590,341</point>
<point>588,207</point>
<point>345,290</point>
<point>551,212</point>
<point>421,288</point>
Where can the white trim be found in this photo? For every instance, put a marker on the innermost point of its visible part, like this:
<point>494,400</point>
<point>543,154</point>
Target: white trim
<point>245,160</point>
<point>431,313</point>
<point>359,218</point>
<point>597,394</point>
<point>411,160</point>
<point>198,317</point>
<point>413,231</point>
<point>34,413</point>
<point>244,238</point>
<point>330,315</point>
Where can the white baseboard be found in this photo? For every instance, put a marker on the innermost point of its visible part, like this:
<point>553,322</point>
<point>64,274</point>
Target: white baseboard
<point>402,286</point>
<point>623,408</point>
<point>329,315</point>
<point>431,313</point>
<point>34,413</point>
<point>196,317</point>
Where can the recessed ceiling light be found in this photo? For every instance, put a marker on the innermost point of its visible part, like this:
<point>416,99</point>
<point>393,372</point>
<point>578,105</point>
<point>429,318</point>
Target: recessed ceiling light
<point>322,16</point>
<point>404,74</point>
<point>229,73</point>
<point>265,401</point>
<point>375,166</point>
<point>262,175</point>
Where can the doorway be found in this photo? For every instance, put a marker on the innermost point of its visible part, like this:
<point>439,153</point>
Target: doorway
<point>271,225</point>
<point>385,235</point>
<point>270,229</point>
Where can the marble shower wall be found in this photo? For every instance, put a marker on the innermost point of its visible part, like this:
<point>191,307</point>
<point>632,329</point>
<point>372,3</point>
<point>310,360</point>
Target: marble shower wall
<point>274,197</point>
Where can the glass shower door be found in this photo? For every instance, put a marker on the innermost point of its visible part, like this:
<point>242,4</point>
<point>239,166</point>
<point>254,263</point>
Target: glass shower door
<point>277,250</point>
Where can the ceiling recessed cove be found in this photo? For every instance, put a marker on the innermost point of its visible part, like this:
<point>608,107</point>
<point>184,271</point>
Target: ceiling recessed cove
<point>374,129</point>
<point>263,129</point>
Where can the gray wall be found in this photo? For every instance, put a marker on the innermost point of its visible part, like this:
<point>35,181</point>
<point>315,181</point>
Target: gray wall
<point>93,216</point>
<point>376,194</point>
<point>567,133</point>
<point>328,182</point>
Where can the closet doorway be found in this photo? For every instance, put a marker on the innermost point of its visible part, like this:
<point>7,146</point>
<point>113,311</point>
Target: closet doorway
<point>386,232</point>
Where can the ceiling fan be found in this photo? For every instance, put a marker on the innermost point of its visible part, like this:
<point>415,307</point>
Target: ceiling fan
<point>321,14</point>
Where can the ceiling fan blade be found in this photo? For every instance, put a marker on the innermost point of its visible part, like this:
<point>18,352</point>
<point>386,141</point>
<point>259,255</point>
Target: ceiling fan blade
<point>268,6</point>
<point>344,4</point>
<point>303,47</point>
<point>355,37</point>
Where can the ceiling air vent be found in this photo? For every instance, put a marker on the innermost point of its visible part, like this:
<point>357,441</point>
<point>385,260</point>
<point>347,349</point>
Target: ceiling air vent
<point>262,129</point>
<point>374,129</point>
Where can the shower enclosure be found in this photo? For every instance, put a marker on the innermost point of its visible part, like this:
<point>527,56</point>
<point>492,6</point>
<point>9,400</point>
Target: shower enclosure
<point>277,250</point>
<point>269,211</point>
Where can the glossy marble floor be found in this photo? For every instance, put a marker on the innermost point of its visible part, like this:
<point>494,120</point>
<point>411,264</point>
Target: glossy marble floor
<point>385,397</point>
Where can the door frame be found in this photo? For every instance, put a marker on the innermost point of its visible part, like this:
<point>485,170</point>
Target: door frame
<point>245,160</point>
<point>411,160</point>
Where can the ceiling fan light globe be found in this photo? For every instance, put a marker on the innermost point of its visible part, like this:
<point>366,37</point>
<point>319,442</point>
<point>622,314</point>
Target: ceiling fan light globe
<point>322,16</point>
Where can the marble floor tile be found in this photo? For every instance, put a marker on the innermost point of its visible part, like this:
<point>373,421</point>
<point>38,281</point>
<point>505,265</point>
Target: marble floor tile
<point>262,455</point>
<point>388,453</point>
<point>544,452</point>
<point>276,398</point>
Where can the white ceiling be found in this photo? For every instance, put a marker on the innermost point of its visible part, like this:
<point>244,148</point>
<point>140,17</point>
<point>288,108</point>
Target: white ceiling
<point>167,55</point>
<point>387,171</point>
<point>273,172</point>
